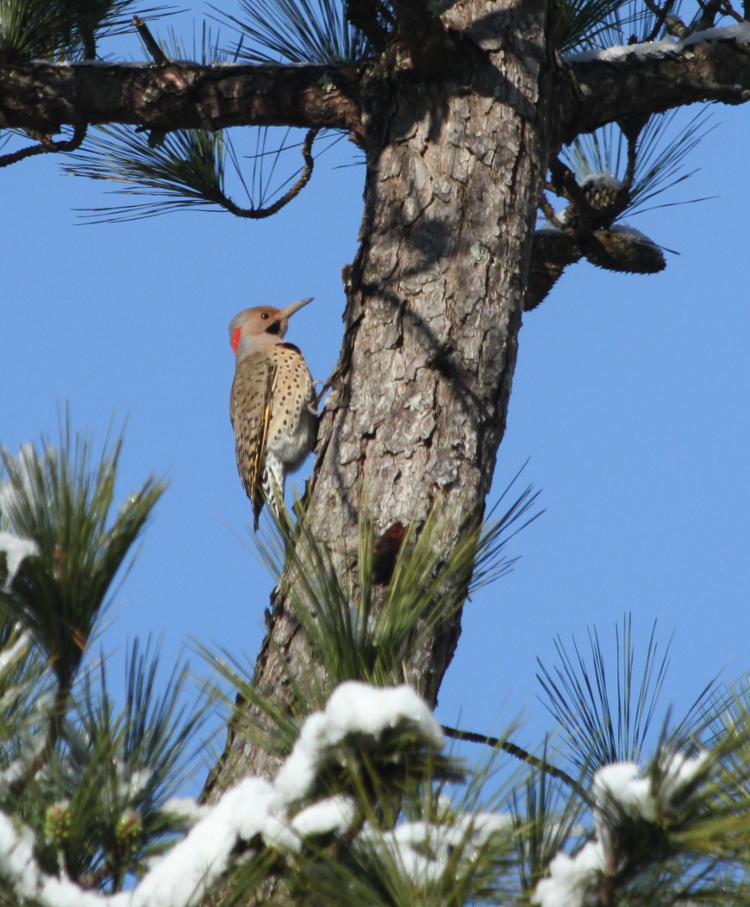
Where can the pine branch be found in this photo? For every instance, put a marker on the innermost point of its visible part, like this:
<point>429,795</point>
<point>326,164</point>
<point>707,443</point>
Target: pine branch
<point>637,84</point>
<point>654,150</point>
<point>517,752</point>
<point>46,146</point>
<point>42,96</point>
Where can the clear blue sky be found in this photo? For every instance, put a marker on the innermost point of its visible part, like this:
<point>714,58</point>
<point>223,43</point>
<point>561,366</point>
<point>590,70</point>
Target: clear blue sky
<point>630,399</point>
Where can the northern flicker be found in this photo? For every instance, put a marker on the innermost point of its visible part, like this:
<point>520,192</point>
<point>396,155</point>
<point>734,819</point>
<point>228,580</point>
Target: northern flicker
<point>272,404</point>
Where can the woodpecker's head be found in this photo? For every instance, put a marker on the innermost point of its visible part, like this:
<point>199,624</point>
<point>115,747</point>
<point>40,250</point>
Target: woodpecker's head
<point>259,328</point>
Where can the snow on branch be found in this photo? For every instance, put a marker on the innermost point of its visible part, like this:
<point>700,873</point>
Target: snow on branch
<point>16,550</point>
<point>23,467</point>
<point>613,83</point>
<point>665,47</point>
<point>620,794</point>
<point>354,708</point>
<point>255,811</point>
<point>13,652</point>
<point>423,851</point>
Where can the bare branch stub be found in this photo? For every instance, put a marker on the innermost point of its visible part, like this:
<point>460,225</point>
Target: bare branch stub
<point>567,186</point>
<point>423,34</point>
<point>363,14</point>
<point>728,10</point>
<point>152,45</point>
<point>661,14</point>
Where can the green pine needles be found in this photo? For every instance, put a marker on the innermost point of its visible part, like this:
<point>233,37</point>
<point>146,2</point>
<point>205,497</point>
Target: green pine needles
<point>252,173</point>
<point>297,31</point>
<point>59,500</point>
<point>62,29</point>
<point>368,806</point>
<point>91,779</point>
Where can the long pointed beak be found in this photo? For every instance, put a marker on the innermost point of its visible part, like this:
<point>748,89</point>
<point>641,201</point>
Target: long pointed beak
<point>294,307</point>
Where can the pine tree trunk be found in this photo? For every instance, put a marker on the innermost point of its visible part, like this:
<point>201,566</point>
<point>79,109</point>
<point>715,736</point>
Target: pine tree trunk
<point>434,300</point>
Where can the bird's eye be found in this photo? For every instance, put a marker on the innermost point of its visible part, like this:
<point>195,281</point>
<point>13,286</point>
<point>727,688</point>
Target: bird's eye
<point>264,315</point>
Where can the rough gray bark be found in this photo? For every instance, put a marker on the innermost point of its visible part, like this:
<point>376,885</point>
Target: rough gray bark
<point>434,299</point>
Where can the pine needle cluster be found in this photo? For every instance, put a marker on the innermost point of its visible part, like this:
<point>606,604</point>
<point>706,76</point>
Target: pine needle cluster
<point>88,778</point>
<point>62,29</point>
<point>369,806</point>
<point>206,170</point>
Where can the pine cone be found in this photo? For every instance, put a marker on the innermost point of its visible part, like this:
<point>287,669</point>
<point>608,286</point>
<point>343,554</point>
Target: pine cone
<point>624,249</point>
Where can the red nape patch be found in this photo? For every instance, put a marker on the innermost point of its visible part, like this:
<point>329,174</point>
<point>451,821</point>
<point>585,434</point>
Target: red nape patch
<point>235,338</point>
